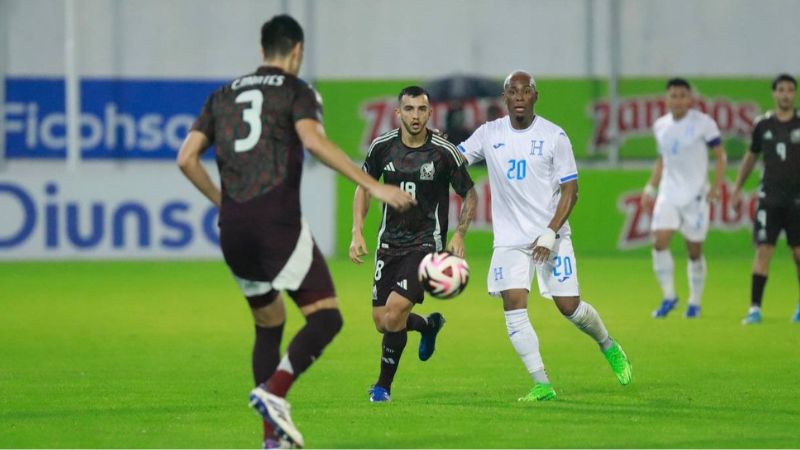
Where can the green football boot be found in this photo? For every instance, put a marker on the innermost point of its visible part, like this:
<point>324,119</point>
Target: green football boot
<point>539,392</point>
<point>619,362</point>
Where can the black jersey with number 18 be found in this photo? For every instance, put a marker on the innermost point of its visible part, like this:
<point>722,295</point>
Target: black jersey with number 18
<point>425,172</point>
<point>779,142</point>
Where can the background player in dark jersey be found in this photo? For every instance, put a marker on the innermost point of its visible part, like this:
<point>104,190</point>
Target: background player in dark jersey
<point>425,165</point>
<point>260,123</point>
<point>776,135</point>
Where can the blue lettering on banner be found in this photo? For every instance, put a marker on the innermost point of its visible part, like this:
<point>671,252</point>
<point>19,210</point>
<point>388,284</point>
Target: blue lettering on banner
<point>125,225</point>
<point>120,118</point>
<point>29,216</point>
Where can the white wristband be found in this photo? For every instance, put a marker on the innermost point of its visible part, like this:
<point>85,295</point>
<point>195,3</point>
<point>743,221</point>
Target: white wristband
<point>649,190</point>
<point>547,239</point>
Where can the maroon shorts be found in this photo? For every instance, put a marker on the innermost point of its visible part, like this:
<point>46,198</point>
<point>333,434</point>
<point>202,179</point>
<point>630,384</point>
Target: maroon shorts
<point>268,258</point>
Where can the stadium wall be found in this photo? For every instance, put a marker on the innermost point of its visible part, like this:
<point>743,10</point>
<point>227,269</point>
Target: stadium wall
<point>147,67</point>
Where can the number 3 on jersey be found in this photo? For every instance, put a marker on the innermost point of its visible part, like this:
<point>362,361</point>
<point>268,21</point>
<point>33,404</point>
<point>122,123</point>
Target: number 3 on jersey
<point>410,187</point>
<point>251,115</point>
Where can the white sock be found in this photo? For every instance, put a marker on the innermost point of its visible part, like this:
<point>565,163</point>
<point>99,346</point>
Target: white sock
<point>587,320</point>
<point>697,280</point>
<point>286,365</point>
<point>525,342</point>
<point>664,267</point>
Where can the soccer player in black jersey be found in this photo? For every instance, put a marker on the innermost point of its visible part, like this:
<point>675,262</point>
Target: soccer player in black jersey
<point>260,123</point>
<point>776,135</point>
<point>425,165</point>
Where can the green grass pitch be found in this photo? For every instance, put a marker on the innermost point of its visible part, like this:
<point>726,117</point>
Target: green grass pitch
<point>141,354</point>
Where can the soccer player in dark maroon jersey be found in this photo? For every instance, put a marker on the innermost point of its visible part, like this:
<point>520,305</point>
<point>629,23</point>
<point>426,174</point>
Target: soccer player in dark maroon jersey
<point>259,124</point>
<point>776,135</point>
<point>425,165</point>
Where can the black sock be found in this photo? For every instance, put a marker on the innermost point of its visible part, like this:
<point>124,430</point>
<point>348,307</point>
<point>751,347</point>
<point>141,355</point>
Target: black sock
<point>393,345</point>
<point>757,290</point>
<point>320,329</point>
<point>266,352</point>
<point>416,322</point>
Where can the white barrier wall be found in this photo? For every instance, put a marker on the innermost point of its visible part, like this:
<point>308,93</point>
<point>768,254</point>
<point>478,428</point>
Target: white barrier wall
<point>411,38</point>
<point>139,209</point>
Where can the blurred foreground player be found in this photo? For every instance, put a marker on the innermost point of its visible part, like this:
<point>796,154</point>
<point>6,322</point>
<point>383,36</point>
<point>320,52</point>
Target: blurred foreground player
<point>260,123</point>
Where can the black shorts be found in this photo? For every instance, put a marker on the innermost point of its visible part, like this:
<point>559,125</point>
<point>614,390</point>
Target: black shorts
<point>268,258</point>
<point>771,220</point>
<point>397,273</point>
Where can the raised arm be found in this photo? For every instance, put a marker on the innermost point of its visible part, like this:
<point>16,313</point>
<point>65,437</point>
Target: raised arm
<point>312,134</point>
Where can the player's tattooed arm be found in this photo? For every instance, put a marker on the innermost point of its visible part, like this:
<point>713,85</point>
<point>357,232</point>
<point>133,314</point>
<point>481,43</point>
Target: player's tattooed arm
<point>468,209</point>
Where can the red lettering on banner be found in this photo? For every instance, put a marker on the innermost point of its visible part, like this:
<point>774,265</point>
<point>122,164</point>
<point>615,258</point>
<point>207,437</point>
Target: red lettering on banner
<point>636,229</point>
<point>380,116</point>
<point>636,115</point>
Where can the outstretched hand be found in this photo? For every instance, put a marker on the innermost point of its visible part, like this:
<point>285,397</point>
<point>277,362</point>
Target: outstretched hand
<point>393,196</point>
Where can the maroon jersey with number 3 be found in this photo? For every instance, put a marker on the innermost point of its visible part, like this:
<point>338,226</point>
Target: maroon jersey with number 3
<point>259,154</point>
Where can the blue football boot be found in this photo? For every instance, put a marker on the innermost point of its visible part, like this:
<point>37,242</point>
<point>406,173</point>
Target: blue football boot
<point>692,312</point>
<point>427,343</point>
<point>666,306</point>
<point>378,394</point>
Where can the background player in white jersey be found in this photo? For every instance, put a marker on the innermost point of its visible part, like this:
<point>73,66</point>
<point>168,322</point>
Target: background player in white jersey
<point>679,186</point>
<point>534,184</point>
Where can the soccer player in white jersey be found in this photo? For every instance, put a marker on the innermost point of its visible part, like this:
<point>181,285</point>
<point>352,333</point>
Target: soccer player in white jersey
<point>534,183</point>
<point>679,187</point>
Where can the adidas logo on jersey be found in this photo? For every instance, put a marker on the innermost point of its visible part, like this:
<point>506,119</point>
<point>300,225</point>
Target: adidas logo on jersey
<point>403,284</point>
<point>389,168</point>
<point>768,135</point>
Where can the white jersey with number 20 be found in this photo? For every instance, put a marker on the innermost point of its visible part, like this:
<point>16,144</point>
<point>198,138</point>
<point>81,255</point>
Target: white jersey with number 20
<point>526,169</point>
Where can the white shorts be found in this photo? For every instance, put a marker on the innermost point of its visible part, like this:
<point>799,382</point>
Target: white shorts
<point>513,268</point>
<point>691,219</point>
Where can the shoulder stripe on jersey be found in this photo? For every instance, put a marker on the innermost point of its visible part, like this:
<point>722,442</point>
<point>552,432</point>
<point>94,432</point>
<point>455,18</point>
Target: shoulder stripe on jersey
<point>383,138</point>
<point>569,177</point>
<point>450,147</point>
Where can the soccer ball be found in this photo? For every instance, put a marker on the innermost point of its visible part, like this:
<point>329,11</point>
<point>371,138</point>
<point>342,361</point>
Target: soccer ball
<point>443,275</point>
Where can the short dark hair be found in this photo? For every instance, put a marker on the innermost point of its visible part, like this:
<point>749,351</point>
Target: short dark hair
<point>413,91</point>
<point>678,82</point>
<point>783,77</point>
<point>279,35</point>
